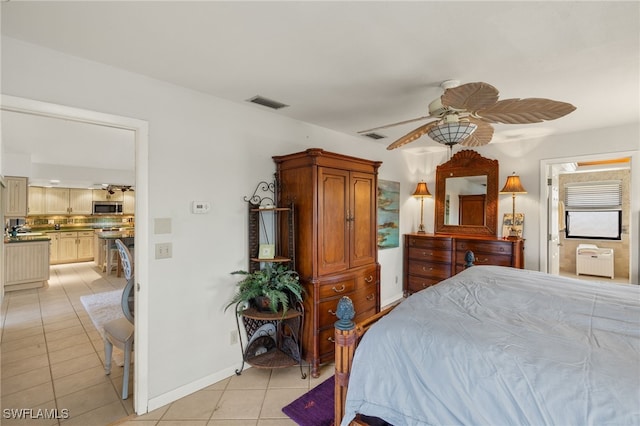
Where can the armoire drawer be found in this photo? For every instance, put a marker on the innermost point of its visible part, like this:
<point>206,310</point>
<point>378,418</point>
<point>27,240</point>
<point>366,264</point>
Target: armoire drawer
<point>339,287</point>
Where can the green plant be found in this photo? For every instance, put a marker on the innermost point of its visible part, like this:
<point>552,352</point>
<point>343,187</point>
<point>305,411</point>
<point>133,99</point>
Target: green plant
<point>277,282</point>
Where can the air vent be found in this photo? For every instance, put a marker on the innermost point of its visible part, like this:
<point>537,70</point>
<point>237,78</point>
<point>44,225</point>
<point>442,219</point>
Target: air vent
<point>374,135</point>
<point>269,103</point>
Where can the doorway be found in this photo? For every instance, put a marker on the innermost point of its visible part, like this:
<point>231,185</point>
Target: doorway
<point>140,131</point>
<point>557,254</point>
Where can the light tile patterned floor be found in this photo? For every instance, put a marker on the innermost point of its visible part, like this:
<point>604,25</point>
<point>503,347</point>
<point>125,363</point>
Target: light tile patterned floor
<point>53,358</point>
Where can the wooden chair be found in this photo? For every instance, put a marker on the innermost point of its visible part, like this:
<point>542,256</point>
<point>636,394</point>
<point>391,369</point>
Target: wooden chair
<point>119,332</point>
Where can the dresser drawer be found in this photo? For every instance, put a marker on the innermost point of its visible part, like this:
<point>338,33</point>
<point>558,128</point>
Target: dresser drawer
<point>486,259</point>
<point>430,254</point>
<point>493,247</point>
<point>429,243</point>
<point>416,283</point>
<point>430,270</point>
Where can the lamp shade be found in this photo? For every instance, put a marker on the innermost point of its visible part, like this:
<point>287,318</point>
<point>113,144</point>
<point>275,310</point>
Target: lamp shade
<point>513,185</point>
<point>452,133</point>
<point>422,190</point>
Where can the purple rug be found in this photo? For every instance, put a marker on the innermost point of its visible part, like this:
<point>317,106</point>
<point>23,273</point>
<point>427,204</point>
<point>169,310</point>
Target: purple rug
<point>314,408</point>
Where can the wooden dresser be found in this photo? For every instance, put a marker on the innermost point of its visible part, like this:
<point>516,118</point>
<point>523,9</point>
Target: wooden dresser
<point>335,242</point>
<point>429,258</point>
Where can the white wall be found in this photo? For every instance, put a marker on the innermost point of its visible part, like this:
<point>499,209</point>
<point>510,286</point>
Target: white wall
<point>204,148</point>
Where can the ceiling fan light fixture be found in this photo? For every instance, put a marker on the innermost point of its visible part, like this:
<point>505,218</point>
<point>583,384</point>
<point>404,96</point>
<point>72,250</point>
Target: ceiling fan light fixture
<point>452,133</point>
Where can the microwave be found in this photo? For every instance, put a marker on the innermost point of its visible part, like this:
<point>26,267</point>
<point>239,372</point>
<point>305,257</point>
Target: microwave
<point>107,207</point>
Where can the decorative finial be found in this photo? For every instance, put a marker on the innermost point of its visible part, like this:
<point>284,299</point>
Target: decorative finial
<point>345,313</point>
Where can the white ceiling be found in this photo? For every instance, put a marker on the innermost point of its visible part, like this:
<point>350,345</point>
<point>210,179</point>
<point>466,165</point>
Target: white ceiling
<point>349,66</point>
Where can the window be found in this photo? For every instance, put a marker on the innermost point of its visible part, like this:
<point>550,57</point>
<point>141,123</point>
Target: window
<point>594,210</point>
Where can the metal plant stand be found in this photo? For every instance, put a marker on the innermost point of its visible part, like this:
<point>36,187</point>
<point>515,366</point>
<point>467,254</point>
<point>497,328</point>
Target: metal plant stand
<point>273,338</point>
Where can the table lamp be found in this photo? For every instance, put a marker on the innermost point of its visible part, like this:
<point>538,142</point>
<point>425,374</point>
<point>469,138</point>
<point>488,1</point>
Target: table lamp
<point>513,186</point>
<point>421,192</point>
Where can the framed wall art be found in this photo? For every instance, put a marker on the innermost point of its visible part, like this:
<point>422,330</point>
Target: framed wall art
<point>388,214</point>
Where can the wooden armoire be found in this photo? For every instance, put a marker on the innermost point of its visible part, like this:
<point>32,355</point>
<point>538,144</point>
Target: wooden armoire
<point>336,239</point>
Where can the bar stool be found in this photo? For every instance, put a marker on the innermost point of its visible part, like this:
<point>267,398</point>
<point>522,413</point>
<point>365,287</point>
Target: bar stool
<point>114,261</point>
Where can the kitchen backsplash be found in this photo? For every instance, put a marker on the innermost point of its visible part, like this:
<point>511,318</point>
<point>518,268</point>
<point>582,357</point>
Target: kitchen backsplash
<point>44,222</point>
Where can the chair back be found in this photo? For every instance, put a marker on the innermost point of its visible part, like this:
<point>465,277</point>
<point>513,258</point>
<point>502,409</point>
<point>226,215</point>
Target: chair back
<point>129,289</point>
<point>125,259</point>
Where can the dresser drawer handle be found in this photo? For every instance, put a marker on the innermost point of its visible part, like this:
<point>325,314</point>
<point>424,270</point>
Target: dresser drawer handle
<point>371,297</point>
<point>338,290</point>
<point>485,260</point>
<point>425,285</point>
<point>424,268</point>
<point>425,254</point>
<point>331,339</point>
<point>369,280</point>
<point>331,311</point>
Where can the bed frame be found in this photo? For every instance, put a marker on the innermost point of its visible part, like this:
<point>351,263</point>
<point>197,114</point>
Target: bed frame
<point>347,337</point>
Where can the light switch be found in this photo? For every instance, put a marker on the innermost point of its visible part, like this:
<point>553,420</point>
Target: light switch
<point>163,250</point>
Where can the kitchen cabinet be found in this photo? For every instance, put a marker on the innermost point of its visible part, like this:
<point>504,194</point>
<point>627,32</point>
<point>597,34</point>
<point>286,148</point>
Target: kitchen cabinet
<point>128,202</point>
<point>15,196</point>
<point>103,195</point>
<point>72,246</point>
<point>26,265</point>
<point>53,250</point>
<point>80,201</point>
<point>334,197</point>
<point>57,200</point>
<point>64,201</point>
<point>36,204</point>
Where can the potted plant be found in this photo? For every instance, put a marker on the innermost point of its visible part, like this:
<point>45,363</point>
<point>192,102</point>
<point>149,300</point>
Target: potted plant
<point>273,288</point>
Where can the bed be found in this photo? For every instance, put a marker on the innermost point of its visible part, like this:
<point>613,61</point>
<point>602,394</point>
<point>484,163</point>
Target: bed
<point>497,346</point>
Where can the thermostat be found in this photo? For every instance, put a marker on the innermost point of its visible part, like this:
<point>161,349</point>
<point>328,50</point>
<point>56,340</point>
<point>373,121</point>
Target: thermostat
<point>200,207</point>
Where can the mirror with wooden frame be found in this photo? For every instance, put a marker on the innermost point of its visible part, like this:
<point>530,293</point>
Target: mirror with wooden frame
<point>467,195</point>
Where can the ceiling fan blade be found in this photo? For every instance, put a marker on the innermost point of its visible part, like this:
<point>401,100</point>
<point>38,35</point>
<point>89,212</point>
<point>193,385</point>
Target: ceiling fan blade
<point>524,111</point>
<point>470,96</point>
<point>395,124</point>
<point>481,136</point>
<point>412,135</point>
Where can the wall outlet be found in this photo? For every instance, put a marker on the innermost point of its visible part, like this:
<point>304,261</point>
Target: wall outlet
<point>163,250</point>
<point>233,337</point>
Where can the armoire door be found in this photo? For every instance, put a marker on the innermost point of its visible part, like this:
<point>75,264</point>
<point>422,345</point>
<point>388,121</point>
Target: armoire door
<point>333,231</point>
<point>362,219</point>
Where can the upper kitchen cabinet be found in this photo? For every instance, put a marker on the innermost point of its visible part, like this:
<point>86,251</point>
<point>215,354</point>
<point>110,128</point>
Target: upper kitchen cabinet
<point>15,196</point>
<point>36,204</point>
<point>68,201</point>
<point>103,195</point>
<point>129,202</point>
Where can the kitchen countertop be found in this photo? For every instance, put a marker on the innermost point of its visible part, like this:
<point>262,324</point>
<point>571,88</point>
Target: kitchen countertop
<point>26,239</point>
<point>114,235</point>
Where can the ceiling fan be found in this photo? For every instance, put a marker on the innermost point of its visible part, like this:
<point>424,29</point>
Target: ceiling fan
<point>464,112</point>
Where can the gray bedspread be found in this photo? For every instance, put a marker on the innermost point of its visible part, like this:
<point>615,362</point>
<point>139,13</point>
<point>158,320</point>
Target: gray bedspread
<point>502,346</point>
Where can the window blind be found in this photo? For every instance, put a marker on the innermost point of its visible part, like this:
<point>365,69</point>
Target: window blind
<point>593,195</point>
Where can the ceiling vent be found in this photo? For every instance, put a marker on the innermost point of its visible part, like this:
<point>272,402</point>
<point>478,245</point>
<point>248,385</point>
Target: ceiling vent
<point>269,103</point>
<point>375,136</point>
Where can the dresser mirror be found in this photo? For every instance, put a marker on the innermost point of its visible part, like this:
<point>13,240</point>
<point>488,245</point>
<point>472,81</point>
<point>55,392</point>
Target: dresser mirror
<point>467,195</point>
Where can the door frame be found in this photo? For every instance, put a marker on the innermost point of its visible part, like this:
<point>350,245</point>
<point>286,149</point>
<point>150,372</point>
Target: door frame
<point>634,220</point>
<point>140,128</point>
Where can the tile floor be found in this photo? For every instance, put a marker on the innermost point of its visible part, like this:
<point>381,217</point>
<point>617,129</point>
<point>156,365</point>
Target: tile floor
<point>52,357</point>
